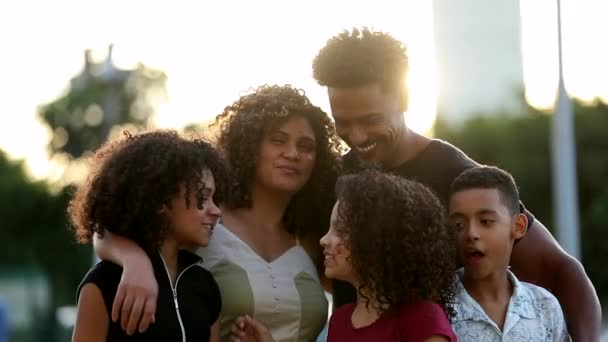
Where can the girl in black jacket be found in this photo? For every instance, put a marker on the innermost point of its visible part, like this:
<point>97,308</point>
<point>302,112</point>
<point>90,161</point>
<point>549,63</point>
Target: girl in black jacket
<point>161,191</point>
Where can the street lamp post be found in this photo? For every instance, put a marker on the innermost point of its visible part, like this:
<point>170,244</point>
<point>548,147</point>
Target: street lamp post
<point>564,162</point>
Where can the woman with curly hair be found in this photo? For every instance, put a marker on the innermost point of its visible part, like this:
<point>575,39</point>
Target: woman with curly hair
<point>389,239</point>
<point>283,157</point>
<point>160,191</point>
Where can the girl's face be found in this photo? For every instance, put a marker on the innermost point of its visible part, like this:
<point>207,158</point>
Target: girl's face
<point>287,156</point>
<point>337,264</point>
<point>191,226</point>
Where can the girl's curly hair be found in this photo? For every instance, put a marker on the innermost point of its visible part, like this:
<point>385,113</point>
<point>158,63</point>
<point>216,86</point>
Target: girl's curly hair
<point>130,180</point>
<point>242,126</point>
<point>401,247</point>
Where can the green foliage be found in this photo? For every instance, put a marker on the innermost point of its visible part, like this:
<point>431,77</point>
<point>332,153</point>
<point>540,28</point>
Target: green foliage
<point>35,232</point>
<point>521,145</point>
<point>81,119</point>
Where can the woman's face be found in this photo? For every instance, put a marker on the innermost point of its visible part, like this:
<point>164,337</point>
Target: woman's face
<point>287,156</point>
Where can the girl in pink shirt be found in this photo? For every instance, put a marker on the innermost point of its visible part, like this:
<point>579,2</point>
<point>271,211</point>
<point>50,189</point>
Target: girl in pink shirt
<point>388,238</point>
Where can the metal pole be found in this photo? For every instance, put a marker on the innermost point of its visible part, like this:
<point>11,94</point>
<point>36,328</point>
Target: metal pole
<point>564,163</point>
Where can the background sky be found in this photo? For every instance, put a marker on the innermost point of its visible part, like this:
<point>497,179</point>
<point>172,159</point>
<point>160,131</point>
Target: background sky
<point>213,51</point>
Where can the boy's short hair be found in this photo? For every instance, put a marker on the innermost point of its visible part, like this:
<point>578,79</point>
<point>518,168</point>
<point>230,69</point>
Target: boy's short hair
<point>489,177</point>
<point>361,57</point>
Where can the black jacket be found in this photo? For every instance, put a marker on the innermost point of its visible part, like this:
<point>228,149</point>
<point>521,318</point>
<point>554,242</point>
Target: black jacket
<point>190,309</point>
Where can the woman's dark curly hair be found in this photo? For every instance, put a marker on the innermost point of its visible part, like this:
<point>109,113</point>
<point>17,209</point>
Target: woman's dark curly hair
<point>361,57</point>
<point>133,177</point>
<point>401,247</point>
<point>242,127</point>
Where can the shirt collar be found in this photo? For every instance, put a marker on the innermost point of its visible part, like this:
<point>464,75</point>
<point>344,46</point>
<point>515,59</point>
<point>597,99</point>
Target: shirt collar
<point>521,300</point>
<point>184,259</point>
<point>468,309</point>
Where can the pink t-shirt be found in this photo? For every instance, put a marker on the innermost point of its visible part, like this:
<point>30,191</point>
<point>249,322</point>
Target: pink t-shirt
<point>411,323</point>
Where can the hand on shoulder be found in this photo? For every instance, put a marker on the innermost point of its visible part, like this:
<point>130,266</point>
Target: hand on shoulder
<point>135,300</point>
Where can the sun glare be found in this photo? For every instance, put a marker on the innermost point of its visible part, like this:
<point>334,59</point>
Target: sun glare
<point>211,53</point>
<point>201,82</point>
<point>209,64</point>
<point>584,58</point>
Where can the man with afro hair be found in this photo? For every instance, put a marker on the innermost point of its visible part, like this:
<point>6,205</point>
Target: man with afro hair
<point>365,71</point>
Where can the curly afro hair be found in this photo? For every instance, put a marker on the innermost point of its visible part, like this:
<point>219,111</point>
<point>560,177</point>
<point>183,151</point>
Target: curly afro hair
<point>133,177</point>
<point>361,57</point>
<point>241,128</point>
<point>401,247</point>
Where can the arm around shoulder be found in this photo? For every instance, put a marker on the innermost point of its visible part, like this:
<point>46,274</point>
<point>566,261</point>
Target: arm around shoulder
<point>135,301</point>
<point>118,249</point>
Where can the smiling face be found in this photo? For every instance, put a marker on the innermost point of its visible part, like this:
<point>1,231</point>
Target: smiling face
<point>287,156</point>
<point>369,120</point>
<point>337,264</point>
<point>192,225</point>
<point>486,230</point>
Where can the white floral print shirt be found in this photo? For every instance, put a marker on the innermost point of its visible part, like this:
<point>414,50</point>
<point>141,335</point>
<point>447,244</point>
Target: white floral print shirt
<point>533,315</point>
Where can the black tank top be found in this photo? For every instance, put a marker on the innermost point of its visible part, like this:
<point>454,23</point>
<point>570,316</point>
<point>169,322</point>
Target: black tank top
<point>197,293</point>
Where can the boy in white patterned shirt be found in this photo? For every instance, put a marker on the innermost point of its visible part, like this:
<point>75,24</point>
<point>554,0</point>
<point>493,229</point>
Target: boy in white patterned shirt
<point>491,304</point>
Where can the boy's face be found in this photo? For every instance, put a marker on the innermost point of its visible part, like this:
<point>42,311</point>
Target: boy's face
<point>485,231</point>
<point>337,264</point>
<point>369,120</point>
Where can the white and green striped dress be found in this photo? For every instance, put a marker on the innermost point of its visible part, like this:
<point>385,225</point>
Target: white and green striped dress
<point>285,294</point>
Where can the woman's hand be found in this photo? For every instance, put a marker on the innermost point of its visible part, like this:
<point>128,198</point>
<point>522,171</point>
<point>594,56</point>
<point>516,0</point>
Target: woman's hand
<point>247,329</point>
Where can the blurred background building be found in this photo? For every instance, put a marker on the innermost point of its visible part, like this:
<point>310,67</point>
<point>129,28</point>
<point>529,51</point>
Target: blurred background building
<point>479,58</point>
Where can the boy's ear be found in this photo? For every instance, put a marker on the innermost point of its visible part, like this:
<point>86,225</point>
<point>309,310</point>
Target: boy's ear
<point>520,226</point>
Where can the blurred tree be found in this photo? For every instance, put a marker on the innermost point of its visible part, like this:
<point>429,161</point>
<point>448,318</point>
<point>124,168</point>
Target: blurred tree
<point>521,146</point>
<point>100,97</point>
<point>35,234</point>
<point>33,220</point>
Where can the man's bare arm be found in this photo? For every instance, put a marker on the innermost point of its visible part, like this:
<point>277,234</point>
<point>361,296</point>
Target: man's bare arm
<point>538,259</point>
<point>135,301</point>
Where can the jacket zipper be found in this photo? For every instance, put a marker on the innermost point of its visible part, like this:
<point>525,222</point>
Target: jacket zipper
<point>174,290</point>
